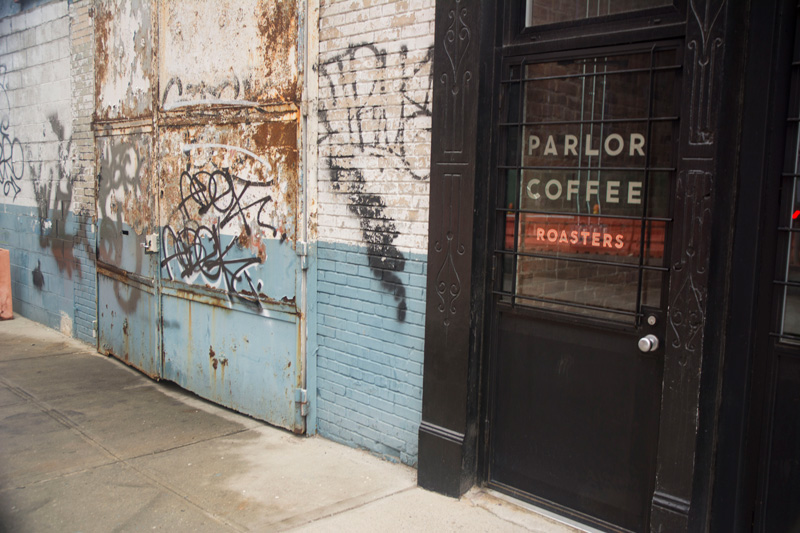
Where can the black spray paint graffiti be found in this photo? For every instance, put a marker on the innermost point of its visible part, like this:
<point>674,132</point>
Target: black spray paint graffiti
<point>38,277</point>
<point>225,92</point>
<point>200,249</point>
<point>53,193</point>
<point>52,190</point>
<point>12,158</point>
<point>121,171</point>
<point>386,142</point>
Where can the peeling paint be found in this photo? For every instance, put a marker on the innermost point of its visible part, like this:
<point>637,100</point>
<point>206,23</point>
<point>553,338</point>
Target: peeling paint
<point>123,58</point>
<point>248,59</point>
<point>225,191</point>
<point>214,172</point>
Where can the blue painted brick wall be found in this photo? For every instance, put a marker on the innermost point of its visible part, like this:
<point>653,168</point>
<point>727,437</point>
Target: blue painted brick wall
<point>63,257</point>
<point>85,286</point>
<point>369,363</point>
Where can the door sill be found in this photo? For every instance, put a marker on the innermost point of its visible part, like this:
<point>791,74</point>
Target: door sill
<point>546,514</point>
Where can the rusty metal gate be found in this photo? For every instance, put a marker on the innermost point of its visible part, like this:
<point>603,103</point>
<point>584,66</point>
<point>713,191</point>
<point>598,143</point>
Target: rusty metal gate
<point>199,198</point>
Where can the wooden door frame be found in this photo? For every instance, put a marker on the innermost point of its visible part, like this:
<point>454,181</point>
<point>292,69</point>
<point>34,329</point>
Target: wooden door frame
<point>468,39</point>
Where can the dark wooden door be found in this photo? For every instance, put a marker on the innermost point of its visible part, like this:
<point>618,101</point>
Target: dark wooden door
<point>583,226</point>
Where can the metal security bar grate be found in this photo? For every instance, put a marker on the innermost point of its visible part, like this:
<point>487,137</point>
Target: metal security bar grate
<point>787,281</point>
<point>585,177</point>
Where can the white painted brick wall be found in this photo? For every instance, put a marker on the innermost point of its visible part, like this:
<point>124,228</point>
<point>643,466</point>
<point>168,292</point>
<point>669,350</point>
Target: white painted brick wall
<point>35,48</point>
<point>82,102</point>
<point>82,163</point>
<point>374,98</point>
<point>45,109</point>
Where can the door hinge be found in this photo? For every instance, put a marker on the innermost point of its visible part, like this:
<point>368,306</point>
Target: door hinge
<point>494,266</point>
<point>301,399</point>
<point>302,253</point>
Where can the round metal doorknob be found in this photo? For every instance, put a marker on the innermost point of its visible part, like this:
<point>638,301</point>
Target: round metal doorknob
<point>648,343</point>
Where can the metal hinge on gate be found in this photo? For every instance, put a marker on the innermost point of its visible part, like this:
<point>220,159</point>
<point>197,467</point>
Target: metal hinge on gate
<point>301,399</point>
<point>302,253</point>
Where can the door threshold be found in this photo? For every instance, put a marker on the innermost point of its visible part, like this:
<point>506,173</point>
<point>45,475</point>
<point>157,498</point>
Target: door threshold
<point>549,515</point>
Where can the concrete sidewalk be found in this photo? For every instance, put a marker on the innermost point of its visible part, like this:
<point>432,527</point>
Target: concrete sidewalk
<point>88,444</point>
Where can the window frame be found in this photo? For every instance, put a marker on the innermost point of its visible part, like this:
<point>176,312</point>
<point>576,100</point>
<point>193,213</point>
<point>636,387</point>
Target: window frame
<point>496,250</point>
<point>660,23</point>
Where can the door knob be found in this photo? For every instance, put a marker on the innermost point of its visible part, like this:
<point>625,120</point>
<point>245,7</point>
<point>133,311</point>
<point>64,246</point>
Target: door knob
<point>648,343</point>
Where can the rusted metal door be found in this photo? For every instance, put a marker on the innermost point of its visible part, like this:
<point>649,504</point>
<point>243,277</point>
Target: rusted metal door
<point>127,274</point>
<point>226,262</point>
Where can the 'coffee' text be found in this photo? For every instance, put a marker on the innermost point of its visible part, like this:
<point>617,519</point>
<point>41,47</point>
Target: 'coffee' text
<point>554,190</point>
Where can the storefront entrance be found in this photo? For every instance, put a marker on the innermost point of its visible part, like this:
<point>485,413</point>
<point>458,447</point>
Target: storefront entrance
<point>574,182</point>
<point>586,186</point>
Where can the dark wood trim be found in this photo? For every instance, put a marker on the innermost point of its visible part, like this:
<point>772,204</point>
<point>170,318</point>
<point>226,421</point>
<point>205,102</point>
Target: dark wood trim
<point>703,83</point>
<point>463,51</point>
<point>727,189</point>
<point>623,28</point>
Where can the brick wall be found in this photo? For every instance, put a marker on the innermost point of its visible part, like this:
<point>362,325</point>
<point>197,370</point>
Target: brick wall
<point>369,365</point>
<point>46,174</point>
<point>374,105</point>
<point>83,169</point>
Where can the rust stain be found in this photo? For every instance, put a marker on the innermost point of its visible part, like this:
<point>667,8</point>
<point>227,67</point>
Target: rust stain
<point>278,140</point>
<point>103,20</point>
<point>212,356</point>
<point>244,237</point>
<point>191,154</point>
<point>123,59</point>
<point>217,361</point>
<point>198,42</point>
<point>278,28</point>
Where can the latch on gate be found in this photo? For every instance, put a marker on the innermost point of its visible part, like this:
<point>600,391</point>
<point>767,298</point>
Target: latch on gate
<point>301,399</point>
<point>150,243</point>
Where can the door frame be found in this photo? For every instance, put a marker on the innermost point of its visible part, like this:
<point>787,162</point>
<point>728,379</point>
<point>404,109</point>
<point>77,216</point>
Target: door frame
<point>587,325</point>
<point>468,41</point>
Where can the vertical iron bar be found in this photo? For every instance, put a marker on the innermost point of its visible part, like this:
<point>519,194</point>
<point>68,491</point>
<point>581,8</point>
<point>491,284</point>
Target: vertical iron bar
<point>645,193</point>
<point>599,172</point>
<point>518,185</point>
<point>591,134</point>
